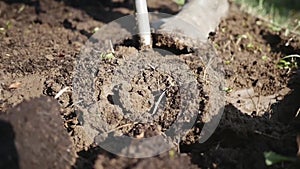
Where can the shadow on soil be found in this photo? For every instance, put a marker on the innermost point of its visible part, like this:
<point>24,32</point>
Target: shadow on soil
<point>287,111</point>
<point>277,44</point>
<point>241,140</point>
<point>87,158</point>
<point>8,152</point>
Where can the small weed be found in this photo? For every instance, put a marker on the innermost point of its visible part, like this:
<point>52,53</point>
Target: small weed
<point>2,30</point>
<point>110,54</point>
<point>21,9</point>
<point>265,58</point>
<point>107,56</point>
<point>288,64</point>
<point>274,27</point>
<point>250,46</point>
<point>179,2</point>
<point>172,154</point>
<point>95,30</point>
<point>227,62</point>
<point>272,158</point>
<point>8,25</point>
<point>228,89</point>
<point>216,46</point>
<point>283,64</point>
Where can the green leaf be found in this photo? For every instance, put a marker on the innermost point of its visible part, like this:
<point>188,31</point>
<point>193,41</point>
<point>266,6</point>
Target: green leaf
<point>250,46</point>
<point>172,153</point>
<point>227,89</point>
<point>227,62</point>
<point>283,64</point>
<point>272,158</point>
<point>264,57</point>
<point>95,29</point>
<point>180,2</point>
<point>107,56</point>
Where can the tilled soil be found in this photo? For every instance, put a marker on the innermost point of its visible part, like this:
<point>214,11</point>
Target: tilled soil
<point>41,41</point>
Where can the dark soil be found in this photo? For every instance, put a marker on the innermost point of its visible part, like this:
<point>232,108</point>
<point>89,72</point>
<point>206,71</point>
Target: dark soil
<point>41,40</point>
<point>37,131</point>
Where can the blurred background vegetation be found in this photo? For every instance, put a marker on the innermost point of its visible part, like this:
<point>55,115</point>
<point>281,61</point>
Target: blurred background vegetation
<point>280,13</point>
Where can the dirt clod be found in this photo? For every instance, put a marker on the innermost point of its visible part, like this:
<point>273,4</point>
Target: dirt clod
<point>39,136</point>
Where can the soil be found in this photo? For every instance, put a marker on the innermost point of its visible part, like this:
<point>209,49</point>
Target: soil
<point>41,41</point>
<point>36,128</point>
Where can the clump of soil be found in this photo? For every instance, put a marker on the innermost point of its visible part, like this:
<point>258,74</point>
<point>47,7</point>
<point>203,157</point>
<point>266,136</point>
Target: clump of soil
<point>143,93</point>
<point>39,139</point>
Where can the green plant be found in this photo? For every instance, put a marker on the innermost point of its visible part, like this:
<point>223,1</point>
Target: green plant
<point>95,29</point>
<point>264,58</point>
<point>107,56</point>
<point>272,158</point>
<point>228,89</point>
<point>21,9</point>
<point>172,154</point>
<point>284,63</point>
<point>8,25</point>
<point>279,13</point>
<point>179,2</point>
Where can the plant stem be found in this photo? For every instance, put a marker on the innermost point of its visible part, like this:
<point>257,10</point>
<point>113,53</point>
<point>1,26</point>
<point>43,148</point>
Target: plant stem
<point>143,23</point>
